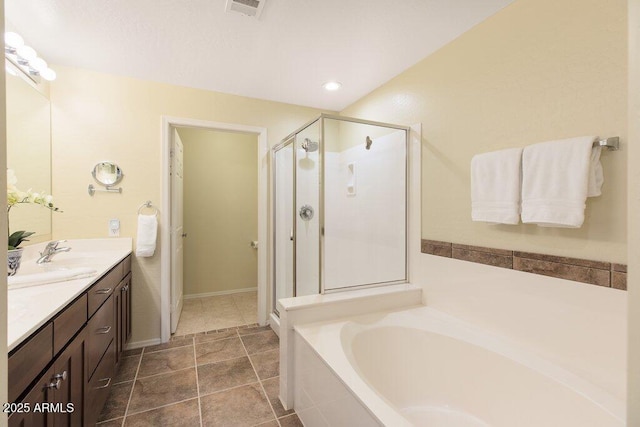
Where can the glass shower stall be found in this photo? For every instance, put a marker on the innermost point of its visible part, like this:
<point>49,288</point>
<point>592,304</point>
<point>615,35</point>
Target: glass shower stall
<point>340,207</point>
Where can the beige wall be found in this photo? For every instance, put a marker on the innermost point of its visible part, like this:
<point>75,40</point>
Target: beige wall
<point>633,398</point>
<point>105,117</point>
<point>538,70</point>
<point>220,210</point>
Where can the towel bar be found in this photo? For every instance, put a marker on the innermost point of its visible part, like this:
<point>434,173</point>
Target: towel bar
<point>612,143</point>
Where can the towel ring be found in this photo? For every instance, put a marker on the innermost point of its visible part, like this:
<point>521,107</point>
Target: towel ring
<point>148,204</point>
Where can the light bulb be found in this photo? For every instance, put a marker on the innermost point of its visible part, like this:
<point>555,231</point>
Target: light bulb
<point>27,53</point>
<point>38,64</point>
<point>13,40</point>
<point>48,74</point>
<point>332,85</point>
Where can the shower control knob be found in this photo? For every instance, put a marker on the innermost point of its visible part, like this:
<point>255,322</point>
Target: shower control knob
<point>306,213</point>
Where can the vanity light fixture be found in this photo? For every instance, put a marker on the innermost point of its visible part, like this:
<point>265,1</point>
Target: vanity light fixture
<point>12,41</point>
<point>332,85</point>
<point>26,58</point>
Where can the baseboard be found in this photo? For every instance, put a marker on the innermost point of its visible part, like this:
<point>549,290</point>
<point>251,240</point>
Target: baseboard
<point>218,293</point>
<point>139,344</point>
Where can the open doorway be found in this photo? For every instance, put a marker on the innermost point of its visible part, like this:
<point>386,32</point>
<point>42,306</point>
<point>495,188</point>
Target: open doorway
<point>213,266</point>
<point>219,228</point>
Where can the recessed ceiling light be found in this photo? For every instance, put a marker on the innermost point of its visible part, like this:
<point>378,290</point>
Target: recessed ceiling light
<point>332,85</point>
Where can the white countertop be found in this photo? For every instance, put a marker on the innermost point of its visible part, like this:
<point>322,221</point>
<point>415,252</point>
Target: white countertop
<point>31,307</point>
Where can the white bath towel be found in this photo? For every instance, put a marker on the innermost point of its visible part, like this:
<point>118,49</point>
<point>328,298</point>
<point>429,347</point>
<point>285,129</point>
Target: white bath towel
<point>495,186</point>
<point>147,232</point>
<point>557,178</point>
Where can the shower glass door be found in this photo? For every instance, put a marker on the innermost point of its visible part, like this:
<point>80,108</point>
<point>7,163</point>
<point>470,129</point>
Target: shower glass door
<point>307,214</point>
<point>340,204</point>
<point>283,188</point>
<point>365,204</point>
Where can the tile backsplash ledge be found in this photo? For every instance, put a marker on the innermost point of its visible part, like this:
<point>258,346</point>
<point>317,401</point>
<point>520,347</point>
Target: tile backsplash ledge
<point>599,273</point>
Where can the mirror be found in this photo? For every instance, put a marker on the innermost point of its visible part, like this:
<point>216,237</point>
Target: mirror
<point>29,150</point>
<point>107,173</point>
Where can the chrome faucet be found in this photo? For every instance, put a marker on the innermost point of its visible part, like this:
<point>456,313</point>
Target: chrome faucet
<point>50,250</point>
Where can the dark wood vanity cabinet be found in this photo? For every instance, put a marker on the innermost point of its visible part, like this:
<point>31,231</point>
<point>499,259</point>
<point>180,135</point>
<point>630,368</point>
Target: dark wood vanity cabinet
<point>56,398</point>
<point>39,394</point>
<point>67,383</point>
<point>122,300</point>
<point>61,375</point>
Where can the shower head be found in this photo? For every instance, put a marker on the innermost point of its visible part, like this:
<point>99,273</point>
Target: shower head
<point>309,146</point>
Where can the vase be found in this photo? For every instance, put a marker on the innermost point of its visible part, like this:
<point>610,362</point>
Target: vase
<point>13,261</point>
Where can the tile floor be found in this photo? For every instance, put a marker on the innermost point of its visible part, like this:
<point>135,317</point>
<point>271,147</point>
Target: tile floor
<point>219,378</point>
<point>219,312</point>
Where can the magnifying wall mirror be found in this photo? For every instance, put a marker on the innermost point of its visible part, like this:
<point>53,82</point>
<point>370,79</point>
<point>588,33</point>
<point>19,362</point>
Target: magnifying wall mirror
<point>107,173</point>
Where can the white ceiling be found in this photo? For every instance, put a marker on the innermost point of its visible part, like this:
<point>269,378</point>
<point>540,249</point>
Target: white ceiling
<point>285,56</point>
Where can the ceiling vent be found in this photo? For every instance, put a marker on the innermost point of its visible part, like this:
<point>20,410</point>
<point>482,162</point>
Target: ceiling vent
<point>251,8</point>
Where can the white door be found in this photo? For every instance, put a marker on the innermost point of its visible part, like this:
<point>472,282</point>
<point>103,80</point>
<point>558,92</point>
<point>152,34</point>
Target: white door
<point>177,230</point>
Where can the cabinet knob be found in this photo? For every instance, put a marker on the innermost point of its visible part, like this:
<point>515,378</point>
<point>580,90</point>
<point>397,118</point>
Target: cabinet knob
<point>55,384</point>
<point>103,291</point>
<point>62,376</point>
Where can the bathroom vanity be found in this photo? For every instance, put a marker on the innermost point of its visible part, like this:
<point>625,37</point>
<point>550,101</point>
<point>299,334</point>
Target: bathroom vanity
<point>67,338</point>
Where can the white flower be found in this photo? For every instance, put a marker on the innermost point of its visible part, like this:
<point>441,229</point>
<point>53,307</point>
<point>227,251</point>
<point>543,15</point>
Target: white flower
<point>15,196</point>
<point>32,197</point>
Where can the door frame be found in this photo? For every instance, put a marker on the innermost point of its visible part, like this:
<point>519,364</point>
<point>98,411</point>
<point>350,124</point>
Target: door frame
<point>168,123</point>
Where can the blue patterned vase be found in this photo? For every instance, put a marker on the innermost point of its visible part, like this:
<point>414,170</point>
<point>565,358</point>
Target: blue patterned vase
<point>13,261</point>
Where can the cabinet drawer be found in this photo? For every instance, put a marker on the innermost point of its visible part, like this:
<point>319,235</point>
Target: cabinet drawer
<point>100,333</point>
<point>68,323</point>
<point>99,292</point>
<point>29,360</point>
<point>99,386</point>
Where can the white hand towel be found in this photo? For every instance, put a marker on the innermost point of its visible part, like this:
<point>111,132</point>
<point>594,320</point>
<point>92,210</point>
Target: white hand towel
<point>495,186</point>
<point>557,178</point>
<point>147,232</point>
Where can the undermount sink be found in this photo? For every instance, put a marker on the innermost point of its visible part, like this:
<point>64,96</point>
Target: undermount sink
<point>64,261</point>
<point>65,266</point>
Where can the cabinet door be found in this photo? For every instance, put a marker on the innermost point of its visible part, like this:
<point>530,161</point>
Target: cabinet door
<point>118,313</point>
<point>126,308</point>
<point>68,380</point>
<point>122,312</point>
<point>34,407</point>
